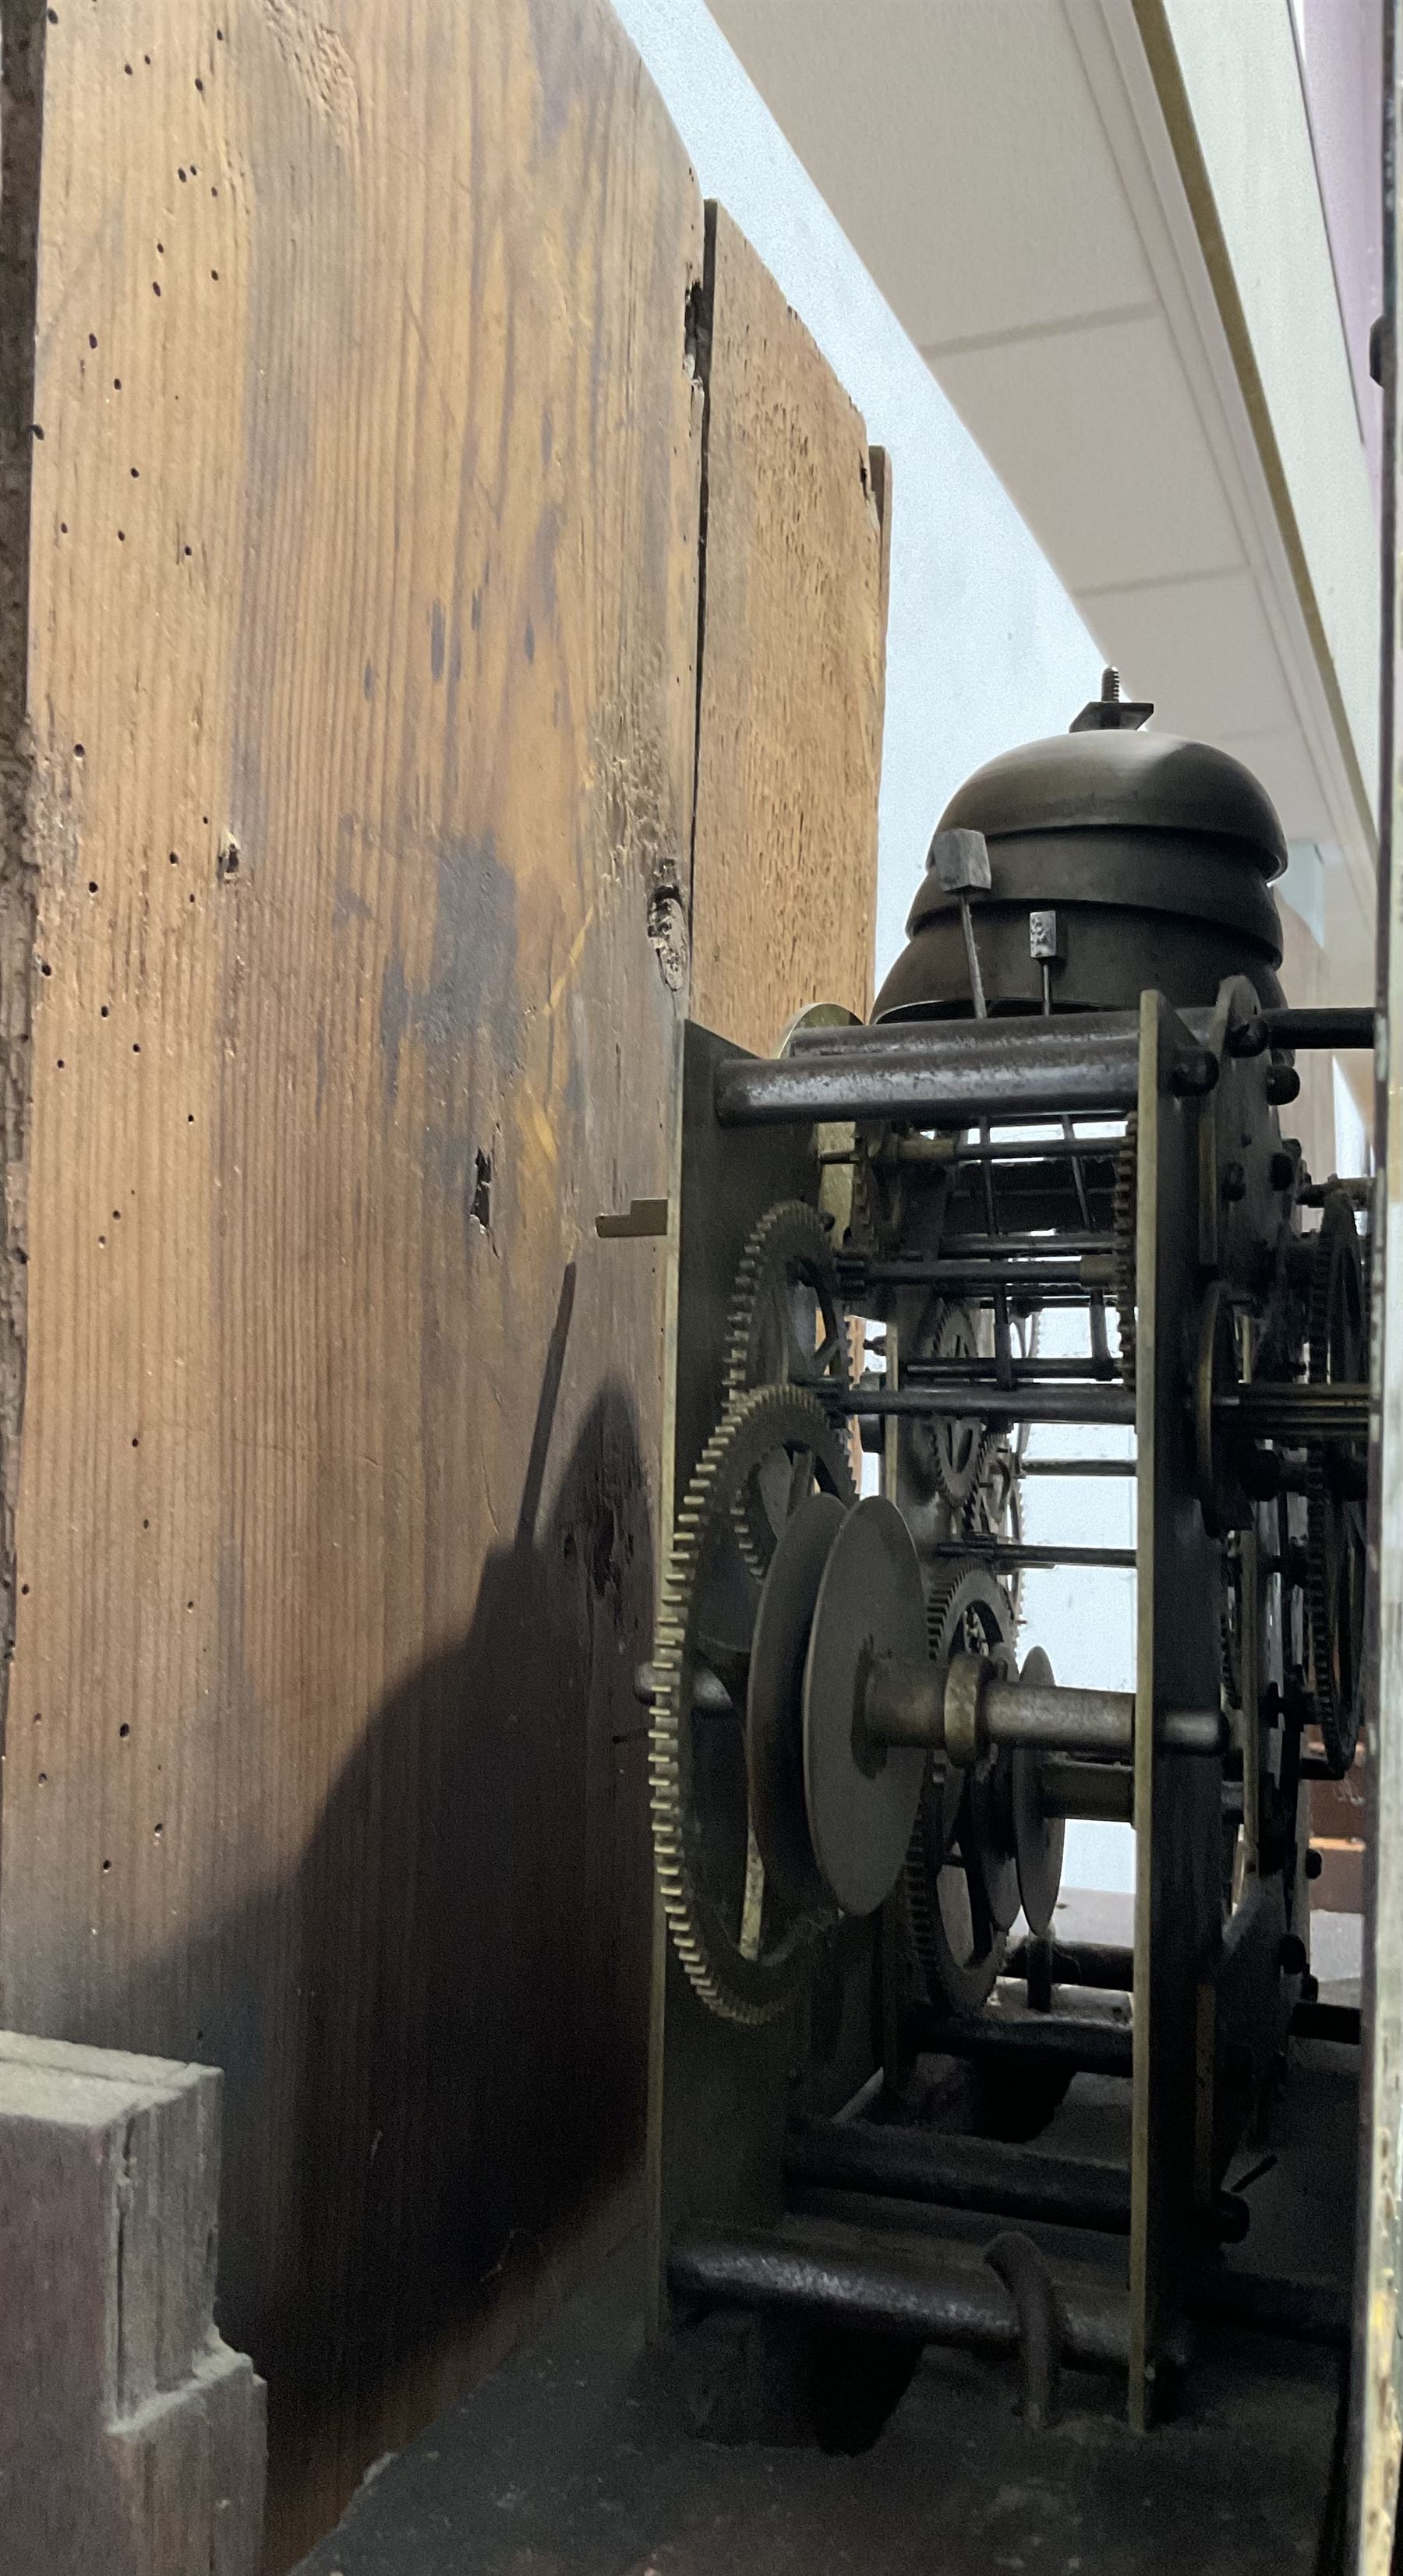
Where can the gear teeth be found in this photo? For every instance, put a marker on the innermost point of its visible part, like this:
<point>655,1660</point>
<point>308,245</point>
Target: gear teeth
<point>984,1593</point>
<point>865,1229</point>
<point>931,1447</point>
<point>958,1588</point>
<point>791,1241</point>
<point>997,1447</point>
<point>791,1236</point>
<point>766,1418</point>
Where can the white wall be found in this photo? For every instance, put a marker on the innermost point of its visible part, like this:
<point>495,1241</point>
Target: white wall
<point>1242,76</point>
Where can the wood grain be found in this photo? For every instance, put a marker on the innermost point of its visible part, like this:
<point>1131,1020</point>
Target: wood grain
<point>352,368</point>
<point>789,738</point>
<point>354,778</point>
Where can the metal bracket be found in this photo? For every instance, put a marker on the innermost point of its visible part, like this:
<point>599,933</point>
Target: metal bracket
<point>641,1216</point>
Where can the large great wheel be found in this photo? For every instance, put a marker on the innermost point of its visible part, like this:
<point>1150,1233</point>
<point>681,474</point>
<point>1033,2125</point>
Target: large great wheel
<point>745,1946</point>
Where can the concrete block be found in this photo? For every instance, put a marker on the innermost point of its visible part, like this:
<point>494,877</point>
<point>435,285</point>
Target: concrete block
<point>131,2437</point>
<point>189,2469</point>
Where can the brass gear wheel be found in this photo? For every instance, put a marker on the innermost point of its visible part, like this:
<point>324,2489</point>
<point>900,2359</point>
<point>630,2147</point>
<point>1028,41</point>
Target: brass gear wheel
<point>1124,1208</point>
<point>1335,1544</point>
<point>785,1294</point>
<point>954,1930</point>
<point>787,1270</point>
<point>941,1458</point>
<point>744,1954</point>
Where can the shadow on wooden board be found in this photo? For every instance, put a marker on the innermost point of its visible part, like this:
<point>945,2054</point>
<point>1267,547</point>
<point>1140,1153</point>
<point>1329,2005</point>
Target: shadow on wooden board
<point>455,1835</point>
<point>348,723</point>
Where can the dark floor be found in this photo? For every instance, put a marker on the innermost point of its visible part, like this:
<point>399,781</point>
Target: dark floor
<point>576,2459</point>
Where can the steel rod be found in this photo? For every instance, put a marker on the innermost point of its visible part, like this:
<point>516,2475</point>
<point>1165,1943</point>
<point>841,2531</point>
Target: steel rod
<point>979,1372</point>
<point>839,2276</point>
<point>1082,1271</point>
<point>1333,1029</point>
<point>1016,1556</point>
<point>895,2174</point>
<point>1087,2047</point>
<point>1065,1721</point>
<point>1026,1297</point>
<point>1101,1965</point>
<point>1328,1412</point>
<point>905,1704</point>
<point>1077,1467</point>
<point>989,1247</point>
<point>1050,1149</point>
<point>958,2173</point>
<point>894,1037</point>
<point>954,1074</point>
<point>996,1403</point>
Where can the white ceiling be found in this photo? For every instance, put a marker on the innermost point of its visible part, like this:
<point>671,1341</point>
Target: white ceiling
<point>1007,173</point>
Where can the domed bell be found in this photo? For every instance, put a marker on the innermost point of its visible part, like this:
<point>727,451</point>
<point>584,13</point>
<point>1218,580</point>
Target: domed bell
<point>1153,857</point>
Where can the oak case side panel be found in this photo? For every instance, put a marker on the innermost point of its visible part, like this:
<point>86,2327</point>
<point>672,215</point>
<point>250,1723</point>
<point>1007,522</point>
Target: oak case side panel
<point>361,638</point>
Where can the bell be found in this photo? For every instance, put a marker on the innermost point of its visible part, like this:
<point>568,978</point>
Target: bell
<point>1117,860</point>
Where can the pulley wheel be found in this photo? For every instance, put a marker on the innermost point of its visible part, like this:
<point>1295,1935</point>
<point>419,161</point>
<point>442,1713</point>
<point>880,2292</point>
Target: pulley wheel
<point>774,1738</point>
<point>1038,1839</point>
<point>861,1798</point>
